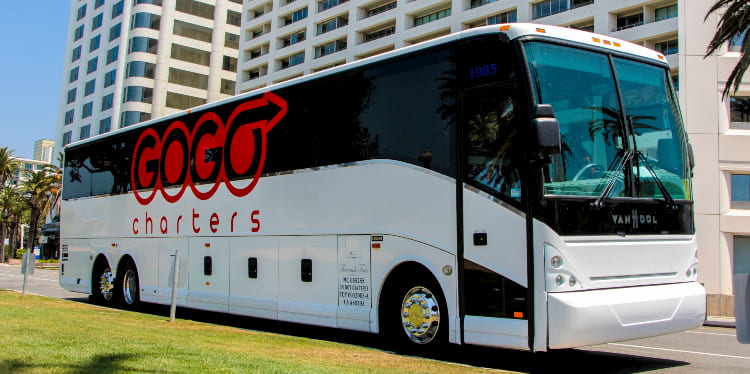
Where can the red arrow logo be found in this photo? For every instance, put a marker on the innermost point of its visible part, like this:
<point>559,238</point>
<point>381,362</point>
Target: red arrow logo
<point>214,152</point>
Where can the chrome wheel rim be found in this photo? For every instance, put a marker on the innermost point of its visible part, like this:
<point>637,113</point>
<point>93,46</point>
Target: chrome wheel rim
<point>129,287</point>
<point>106,284</point>
<point>420,315</point>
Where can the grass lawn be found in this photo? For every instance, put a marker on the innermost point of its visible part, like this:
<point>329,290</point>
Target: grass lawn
<point>43,335</point>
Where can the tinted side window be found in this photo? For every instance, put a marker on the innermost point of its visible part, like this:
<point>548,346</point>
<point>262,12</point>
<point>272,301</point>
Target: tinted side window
<point>403,111</point>
<point>413,112</point>
<point>322,126</point>
<point>99,168</point>
<point>76,175</point>
<point>111,166</point>
<point>494,144</point>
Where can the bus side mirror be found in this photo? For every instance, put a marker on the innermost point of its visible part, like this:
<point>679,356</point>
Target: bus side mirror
<point>545,132</point>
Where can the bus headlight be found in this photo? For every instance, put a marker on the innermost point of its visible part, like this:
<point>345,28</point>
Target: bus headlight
<point>556,262</point>
<point>559,274</point>
<point>572,281</point>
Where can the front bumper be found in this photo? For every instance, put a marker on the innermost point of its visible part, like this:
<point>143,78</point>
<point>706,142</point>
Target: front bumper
<point>601,316</point>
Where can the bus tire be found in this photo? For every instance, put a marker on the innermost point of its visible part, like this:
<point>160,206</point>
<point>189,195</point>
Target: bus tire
<point>102,283</point>
<point>415,315</point>
<point>129,285</point>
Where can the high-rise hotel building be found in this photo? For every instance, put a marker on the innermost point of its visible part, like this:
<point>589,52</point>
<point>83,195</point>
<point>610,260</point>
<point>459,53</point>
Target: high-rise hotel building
<point>131,60</point>
<point>284,39</point>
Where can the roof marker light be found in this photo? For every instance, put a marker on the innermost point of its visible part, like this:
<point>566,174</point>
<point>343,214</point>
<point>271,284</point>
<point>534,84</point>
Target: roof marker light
<point>504,27</point>
<point>539,29</point>
<point>617,44</point>
<point>607,42</point>
<point>597,40</point>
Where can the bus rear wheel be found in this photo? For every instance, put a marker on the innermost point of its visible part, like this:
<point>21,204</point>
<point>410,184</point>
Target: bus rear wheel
<point>129,285</point>
<point>103,290</point>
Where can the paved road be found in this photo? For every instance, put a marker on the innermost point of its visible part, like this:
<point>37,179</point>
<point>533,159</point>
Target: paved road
<point>704,350</point>
<point>43,282</point>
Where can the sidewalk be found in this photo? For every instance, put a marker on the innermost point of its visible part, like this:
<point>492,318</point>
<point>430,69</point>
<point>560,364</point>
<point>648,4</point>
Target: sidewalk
<point>17,262</point>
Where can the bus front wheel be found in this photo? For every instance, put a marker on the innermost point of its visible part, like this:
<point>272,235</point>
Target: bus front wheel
<point>416,314</point>
<point>420,315</point>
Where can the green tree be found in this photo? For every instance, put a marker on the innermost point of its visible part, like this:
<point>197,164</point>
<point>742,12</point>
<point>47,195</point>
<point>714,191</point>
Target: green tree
<point>7,165</point>
<point>732,24</point>
<point>40,190</point>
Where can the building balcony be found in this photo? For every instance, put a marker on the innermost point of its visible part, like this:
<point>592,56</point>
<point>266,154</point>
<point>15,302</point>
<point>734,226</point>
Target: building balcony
<point>670,22</point>
<point>651,30</point>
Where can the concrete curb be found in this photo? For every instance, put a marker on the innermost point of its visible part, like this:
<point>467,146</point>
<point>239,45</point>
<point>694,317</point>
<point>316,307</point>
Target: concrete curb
<point>37,266</point>
<point>721,322</point>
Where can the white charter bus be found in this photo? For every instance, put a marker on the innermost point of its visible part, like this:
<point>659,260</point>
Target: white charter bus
<point>517,186</point>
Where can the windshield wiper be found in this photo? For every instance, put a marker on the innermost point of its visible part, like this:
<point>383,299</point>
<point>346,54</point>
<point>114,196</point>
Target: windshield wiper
<point>622,159</point>
<point>667,196</point>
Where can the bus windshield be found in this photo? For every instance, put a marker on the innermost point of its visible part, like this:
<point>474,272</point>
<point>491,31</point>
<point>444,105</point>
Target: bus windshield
<point>640,151</point>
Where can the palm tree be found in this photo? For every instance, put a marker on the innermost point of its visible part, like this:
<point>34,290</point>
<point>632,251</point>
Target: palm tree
<point>732,24</point>
<point>10,204</point>
<point>40,190</point>
<point>7,165</point>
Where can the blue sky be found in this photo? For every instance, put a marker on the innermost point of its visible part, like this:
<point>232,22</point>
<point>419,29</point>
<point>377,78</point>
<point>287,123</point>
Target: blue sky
<point>32,37</point>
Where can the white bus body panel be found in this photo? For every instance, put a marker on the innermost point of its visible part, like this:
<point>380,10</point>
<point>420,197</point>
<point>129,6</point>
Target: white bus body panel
<point>505,226</point>
<point>77,274</point>
<point>145,252</point>
<point>311,302</point>
<point>496,332</point>
<point>354,283</point>
<point>600,316</point>
<point>613,261</point>
<point>255,297</point>
<point>208,292</point>
<point>168,248</point>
